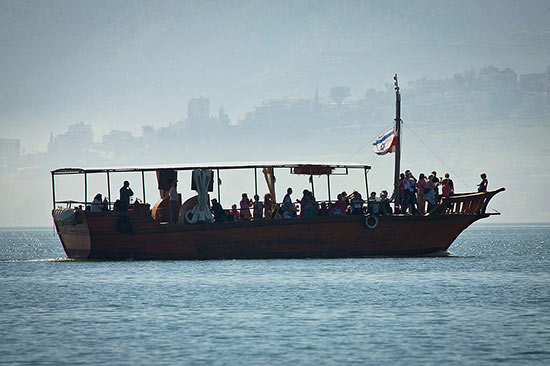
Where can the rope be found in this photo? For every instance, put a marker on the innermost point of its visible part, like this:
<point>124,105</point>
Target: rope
<point>367,143</point>
<point>437,156</point>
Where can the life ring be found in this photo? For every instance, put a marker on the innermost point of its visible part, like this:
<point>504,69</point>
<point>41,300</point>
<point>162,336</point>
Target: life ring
<point>371,221</point>
<point>188,216</point>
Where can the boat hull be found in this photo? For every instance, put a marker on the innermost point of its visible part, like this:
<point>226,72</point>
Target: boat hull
<point>113,235</point>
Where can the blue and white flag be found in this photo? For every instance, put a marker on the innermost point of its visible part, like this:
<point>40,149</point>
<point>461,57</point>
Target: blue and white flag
<point>385,143</point>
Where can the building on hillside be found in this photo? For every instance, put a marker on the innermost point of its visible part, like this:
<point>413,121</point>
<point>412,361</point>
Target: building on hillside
<point>535,82</point>
<point>198,109</point>
<point>10,153</point>
<point>79,137</point>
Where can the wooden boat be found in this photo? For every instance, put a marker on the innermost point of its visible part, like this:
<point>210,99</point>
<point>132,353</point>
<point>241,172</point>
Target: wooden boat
<point>141,233</point>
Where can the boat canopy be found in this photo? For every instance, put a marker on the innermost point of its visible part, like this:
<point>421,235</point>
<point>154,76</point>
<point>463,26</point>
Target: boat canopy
<point>310,168</point>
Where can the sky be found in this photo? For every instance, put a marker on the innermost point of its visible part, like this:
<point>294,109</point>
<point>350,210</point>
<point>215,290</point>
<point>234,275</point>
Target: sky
<point>132,63</point>
<point>125,64</point>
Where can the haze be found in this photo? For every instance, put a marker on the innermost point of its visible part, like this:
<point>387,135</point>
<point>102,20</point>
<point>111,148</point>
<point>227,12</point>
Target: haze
<point>474,77</point>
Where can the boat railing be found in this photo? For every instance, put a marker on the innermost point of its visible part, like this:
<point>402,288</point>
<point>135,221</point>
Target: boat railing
<point>465,203</point>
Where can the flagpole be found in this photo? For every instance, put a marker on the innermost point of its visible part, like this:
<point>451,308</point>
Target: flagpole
<point>397,199</point>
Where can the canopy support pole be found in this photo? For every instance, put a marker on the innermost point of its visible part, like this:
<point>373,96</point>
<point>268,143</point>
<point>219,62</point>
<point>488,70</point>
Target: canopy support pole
<point>328,183</point>
<point>53,190</point>
<point>255,181</point>
<point>85,190</point>
<point>143,184</point>
<point>219,181</point>
<point>109,188</point>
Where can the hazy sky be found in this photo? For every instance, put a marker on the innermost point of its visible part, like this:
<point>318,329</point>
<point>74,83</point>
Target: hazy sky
<point>129,63</point>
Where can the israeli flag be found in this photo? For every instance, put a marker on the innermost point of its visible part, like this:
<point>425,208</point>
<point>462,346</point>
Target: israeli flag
<point>385,143</point>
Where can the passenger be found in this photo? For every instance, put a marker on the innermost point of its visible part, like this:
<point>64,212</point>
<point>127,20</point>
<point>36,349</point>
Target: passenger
<point>258,208</point>
<point>288,209</point>
<point>429,193</point>
<point>323,211</point>
<point>357,203</point>
<point>125,194</point>
<point>402,205</point>
<point>346,198</point>
<point>339,207</point>
<point>105,205</point>
<point>374,204</point>
<point>245,205</point>
<point>174,202</point>
<point>235,213</point>
<point>482,187</point>
<point>436,181</point>
<point>410,196</point>
<point>306,204</point>
<point>445,188</point>
<point>218,211</point>
<point>451,184</point>
<point>420,200</point>
<point>268,206</point>
<point>97,204</point>
<point>385,207</point>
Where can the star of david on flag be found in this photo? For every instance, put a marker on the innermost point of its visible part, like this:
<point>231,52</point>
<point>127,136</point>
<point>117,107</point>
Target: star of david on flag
<point>385,143</point>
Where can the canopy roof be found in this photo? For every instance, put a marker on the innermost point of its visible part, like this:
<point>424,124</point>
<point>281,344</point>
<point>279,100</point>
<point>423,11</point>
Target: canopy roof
<point>214,166</point>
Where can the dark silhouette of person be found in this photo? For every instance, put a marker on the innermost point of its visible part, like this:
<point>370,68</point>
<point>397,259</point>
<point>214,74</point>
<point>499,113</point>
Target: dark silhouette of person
<point>125,194</point>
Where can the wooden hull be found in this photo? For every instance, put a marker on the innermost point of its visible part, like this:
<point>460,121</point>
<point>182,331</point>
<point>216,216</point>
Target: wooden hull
<point>113,235</point>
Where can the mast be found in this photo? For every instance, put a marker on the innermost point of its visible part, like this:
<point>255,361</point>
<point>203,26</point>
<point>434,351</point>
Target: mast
<point>397,199</point>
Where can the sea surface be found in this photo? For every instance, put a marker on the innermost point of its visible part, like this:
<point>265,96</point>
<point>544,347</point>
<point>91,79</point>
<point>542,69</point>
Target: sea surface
<point>486,303</point>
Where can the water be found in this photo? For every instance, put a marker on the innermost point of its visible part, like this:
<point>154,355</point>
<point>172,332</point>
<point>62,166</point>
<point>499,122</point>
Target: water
<point>487,303</point>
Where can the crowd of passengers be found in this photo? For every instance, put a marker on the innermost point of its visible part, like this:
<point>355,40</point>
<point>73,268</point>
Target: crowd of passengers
<point>416,197</point>
<point>307,206</point>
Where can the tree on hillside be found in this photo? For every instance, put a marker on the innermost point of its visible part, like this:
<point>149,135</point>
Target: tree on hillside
<point>339,93</point>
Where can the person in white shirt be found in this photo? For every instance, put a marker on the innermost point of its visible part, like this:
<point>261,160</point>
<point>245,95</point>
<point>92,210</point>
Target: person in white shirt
<point>174,203</point>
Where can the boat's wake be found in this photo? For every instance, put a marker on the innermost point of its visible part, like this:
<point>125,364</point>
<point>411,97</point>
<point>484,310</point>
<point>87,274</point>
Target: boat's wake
<point>62,259</point>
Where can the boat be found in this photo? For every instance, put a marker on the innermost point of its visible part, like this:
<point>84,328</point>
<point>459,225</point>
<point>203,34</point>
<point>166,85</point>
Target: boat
<point>143,233</point>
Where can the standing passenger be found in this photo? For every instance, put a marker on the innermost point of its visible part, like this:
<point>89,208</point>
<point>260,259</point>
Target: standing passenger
<point>420,199</point>
<point>125,194</point>
<point>451,184</point>
<point>436,182</point>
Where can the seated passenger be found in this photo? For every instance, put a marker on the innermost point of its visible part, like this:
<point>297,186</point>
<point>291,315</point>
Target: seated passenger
<point>234,213</point>
<point>357,203</point>
<point>307,203</point>
<point>374,204</point>
<point>97,203</point>
<point>385,208</point>
<point>217,210</point>
<point>105,206</point>
<point>288,210</point>
<point>258,208</point>
<point>339,208</point>
<point>245,205</point>
<point>268,206</point>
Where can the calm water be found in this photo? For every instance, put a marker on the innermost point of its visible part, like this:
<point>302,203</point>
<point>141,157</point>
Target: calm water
<point>488,303</point>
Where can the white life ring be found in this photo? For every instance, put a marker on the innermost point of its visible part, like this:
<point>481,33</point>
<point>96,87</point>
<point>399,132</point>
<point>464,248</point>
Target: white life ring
<point>189,216</point>
<point>371,221</point>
